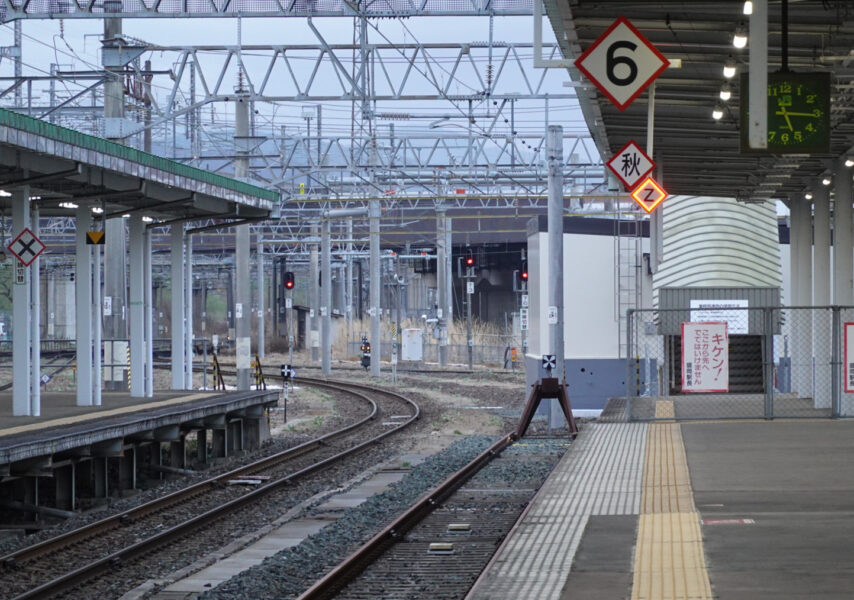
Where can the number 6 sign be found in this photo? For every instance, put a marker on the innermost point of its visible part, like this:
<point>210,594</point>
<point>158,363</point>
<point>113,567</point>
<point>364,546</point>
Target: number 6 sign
<point>622,63</point>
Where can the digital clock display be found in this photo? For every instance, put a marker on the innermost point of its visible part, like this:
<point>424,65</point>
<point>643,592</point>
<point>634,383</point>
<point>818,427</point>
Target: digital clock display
<point>798,113</point>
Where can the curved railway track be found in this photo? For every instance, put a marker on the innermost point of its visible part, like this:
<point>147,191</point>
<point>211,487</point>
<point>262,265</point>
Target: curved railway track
<point>32,572</point>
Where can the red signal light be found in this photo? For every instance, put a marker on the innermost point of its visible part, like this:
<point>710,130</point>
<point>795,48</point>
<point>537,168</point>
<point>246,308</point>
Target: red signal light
<point>289,280</point>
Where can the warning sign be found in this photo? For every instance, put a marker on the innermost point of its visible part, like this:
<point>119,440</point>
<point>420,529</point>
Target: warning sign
<point>705,357</point>
<point>26,247</point>
<point>96,238</point>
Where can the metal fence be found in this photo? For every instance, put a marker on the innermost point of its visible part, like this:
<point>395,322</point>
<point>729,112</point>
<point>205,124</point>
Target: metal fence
<point>488,349</point>
<point>784,362</point>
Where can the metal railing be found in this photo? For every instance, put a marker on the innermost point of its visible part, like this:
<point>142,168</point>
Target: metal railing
<point>783,362</point>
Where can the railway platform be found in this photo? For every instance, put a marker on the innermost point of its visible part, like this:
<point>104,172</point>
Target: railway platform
<point>72,456</point>
<point>734,510</point>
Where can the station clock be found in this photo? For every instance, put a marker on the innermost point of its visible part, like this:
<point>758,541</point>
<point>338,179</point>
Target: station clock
<point>798,113</point>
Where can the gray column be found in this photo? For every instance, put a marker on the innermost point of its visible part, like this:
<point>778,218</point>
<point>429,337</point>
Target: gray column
<point>801,327</point>
<point>449,271</point>
<point>243,297</point>
<point>843,263</point>
<point>97,316</point>
<point>83,296</point>
<point>177,278</point>
<point>21,364</point>
<point>148,310</point>
<point>349,302</point>
<point>821,295</point>
<point>188,312</point>
<point>136,302</point>
<point>326,299</point>
<point>314,296</point>
<point>115,249</point>
<point>259,255</point>
<point>35,325</point>
<point>442,291</point>
<point>376,346</point>
<point>554,152</point>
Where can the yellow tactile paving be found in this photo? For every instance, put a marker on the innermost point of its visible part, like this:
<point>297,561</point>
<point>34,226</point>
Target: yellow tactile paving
<point>102,413</point>
<point>664,409</point>
<point>669,560</point>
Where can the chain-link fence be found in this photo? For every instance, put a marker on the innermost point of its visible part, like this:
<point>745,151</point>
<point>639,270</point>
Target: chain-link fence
<point>769,362</point>
<point>495,350</point>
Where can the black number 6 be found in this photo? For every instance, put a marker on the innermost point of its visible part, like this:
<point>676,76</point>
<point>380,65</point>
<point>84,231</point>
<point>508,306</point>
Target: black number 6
<point>612,61</point>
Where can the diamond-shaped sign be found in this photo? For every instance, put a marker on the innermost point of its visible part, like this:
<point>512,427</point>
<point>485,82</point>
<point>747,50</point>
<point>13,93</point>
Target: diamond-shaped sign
<point>26,247</point>
<point>622,63</point>
<point>649,194</point>
<point>631,164</point>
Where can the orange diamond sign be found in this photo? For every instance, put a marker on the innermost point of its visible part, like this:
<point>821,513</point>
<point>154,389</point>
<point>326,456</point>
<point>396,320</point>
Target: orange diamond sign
<point>649,194</point>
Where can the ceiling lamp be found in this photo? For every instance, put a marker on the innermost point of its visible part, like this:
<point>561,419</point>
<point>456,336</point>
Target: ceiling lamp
<point>67,205</point>
<point>726,92</point>
<point>808,195</point>
<point>825,180</point>
<point>718,112</point>
<point>729,68</point>
<point>849,162</point>
<point>748,8</point>
<point>739,38</point>
<point>97,210</point>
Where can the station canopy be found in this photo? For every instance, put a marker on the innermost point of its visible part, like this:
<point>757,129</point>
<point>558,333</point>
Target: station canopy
<point>64,168</point>
<point>698,154</point>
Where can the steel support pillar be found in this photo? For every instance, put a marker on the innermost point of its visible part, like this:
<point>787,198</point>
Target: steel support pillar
<point>242,305</point>
<point>314,295</point>
<point>136,301</point>
<point>21,312</point>
<point>821,295</point>
<point>97,326</point>
<point>442,291</point>
<point>83,296</point>
<point>177,279</point>
<point>801,295</point>
<point>843,262</point>
<point>326,299</point>
<point>348,284</point>
<point>35,325</point>
<point>148,313</point>
<point>376,310</point>
<point>259,255</point>
<point>188,312</point>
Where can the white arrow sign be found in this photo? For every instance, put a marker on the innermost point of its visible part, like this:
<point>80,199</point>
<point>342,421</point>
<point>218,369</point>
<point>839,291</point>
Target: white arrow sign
<point>622,63</point>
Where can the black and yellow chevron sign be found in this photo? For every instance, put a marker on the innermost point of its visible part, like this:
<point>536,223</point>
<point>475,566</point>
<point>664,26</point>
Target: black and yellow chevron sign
<point>95,237</point>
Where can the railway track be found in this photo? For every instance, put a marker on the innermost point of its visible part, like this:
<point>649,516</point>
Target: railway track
<point>101,548</point>
<point>438,547</point>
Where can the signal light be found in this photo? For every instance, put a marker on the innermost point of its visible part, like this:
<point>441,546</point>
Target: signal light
<point>470,259</point>
<point>289,280</point>
<point>523,272</point>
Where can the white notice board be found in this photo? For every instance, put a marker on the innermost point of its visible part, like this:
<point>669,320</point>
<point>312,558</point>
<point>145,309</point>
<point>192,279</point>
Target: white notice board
<point>849,358</point>
<point>722,310</point>
<point>705,357</point>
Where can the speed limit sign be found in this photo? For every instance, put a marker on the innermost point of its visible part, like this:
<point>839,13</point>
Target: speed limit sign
<point>622,63</point>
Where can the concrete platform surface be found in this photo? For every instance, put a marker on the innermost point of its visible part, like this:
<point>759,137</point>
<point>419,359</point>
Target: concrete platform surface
<point>729,510</point>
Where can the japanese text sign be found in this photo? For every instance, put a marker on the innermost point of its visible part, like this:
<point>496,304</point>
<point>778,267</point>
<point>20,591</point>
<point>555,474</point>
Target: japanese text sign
<point>631,164</point>
<point>705,357</point>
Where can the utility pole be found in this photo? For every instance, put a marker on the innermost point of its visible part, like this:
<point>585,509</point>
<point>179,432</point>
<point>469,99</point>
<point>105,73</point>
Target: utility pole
<point>441,284</point>
<point>326,298</point>
<point>469,296</point>
<point>241,251</point>
<point>115,250</point>
<point>314,294</point>
<point>554,153</point>
<point>374,213</point>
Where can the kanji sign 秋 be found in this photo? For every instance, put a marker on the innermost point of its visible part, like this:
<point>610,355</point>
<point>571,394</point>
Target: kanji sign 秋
<point>631,164</point>
<point>622,63</point>
<point>649,194</point>
<point>26,247</point>
<point>705,357</point>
